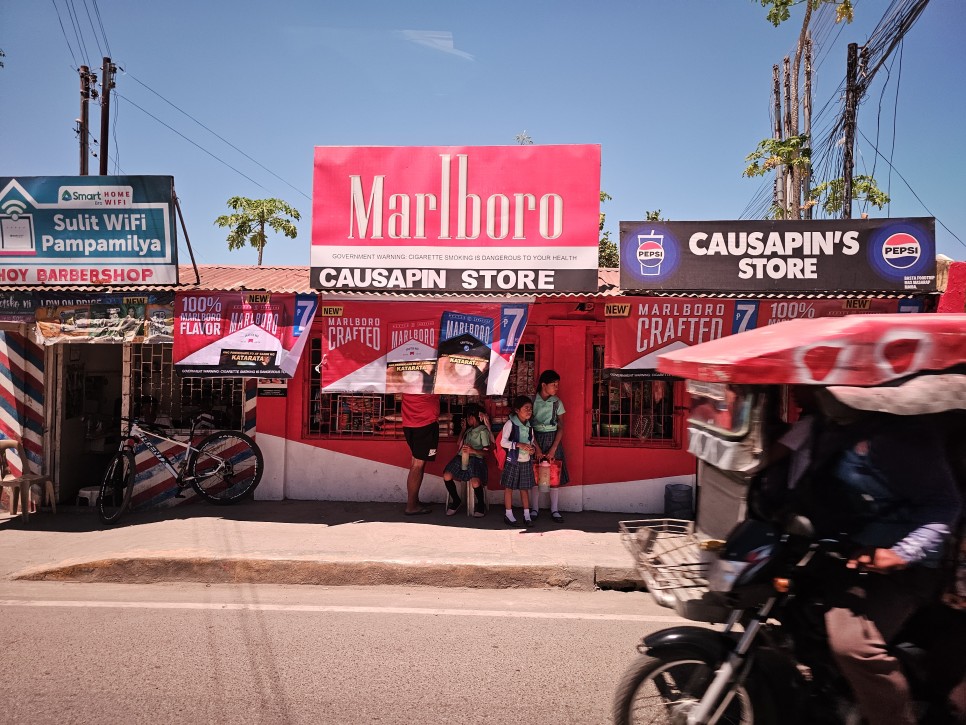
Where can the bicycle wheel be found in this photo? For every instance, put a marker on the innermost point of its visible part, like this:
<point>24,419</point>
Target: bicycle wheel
<point>116,488</point>
<point>226,468</point>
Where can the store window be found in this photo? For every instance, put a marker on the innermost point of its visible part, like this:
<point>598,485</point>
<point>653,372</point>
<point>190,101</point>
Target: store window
<point>158,391</point>
<point>630,412</point>
<point>379,416</point>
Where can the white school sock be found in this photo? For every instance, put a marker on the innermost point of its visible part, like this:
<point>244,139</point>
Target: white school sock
<point>554,500</point>
<point>526,514</point>
<point>509,514</point>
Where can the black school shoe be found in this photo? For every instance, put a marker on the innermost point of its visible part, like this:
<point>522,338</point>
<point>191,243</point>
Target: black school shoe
<point>528,523</point>
<point>557,518</point>
<point>506,520</point>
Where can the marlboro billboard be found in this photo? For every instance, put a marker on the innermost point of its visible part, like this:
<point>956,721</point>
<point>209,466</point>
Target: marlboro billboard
<point>841,255</point>
<point>456,218</point>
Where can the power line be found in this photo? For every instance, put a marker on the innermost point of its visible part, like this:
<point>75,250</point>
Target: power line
<point>100,23</point>
<point>221,138</point>
<point>75,22</point>
<point>220,160</point>
<point>909,186</point>
<point>64,31</point>
<point>91,21</point>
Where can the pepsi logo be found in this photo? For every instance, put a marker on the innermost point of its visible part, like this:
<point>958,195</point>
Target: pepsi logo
<point>901,250</point>
<point>650,253</point>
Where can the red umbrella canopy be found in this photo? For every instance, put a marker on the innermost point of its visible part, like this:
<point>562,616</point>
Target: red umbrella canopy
<point>853,350</point>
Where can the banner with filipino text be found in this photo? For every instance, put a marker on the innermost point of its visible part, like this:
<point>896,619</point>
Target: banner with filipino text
<point>638,329</point>
<point>61,317</point>
<point>88,230</point>
<point>458,218</point>
<point>455,348</point>
<point>840,255</point>
<point>241,334</point>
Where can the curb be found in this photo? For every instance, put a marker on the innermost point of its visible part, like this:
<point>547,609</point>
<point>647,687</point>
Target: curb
<point>322,573</point>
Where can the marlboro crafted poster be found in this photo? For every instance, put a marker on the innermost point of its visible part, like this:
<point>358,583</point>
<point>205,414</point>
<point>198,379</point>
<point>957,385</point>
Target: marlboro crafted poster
<point>638,329</point>
<point>419,347</point>
<point>411,360</point>
<point>242,334</point>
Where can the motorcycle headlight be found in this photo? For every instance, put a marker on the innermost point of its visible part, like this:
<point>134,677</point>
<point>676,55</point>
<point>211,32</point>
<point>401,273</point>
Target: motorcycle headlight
<point>723,572</point>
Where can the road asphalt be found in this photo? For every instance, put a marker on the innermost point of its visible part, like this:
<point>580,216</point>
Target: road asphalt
<point>318,542</point>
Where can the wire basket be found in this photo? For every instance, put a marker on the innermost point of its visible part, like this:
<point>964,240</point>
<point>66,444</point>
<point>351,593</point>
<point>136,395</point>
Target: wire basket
<point>666,553</point>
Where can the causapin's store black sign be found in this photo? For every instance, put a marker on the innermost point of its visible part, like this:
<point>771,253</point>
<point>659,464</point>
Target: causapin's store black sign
<point>864,255</point>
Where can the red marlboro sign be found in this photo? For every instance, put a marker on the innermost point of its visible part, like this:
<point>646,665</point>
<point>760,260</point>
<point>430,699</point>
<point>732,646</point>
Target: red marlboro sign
<point>459,218</point>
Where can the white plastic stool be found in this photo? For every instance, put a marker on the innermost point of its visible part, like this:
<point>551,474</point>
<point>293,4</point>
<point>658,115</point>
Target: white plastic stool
<point>89,495</point>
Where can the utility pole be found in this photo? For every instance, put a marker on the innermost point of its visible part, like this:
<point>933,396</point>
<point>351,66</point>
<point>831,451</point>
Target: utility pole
<point>791,202</point>
<point>807,125</point>
<point>778,196</point>
<point>107,83</point>
<point>85,92</point>
<point>851,102</point>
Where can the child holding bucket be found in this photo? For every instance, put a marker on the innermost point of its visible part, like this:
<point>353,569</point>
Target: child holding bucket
<point>469,463</point>
<point>517,438</point>
<point>548,412</point>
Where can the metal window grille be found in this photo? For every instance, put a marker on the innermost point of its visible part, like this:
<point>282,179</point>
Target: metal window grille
<point>364,415</point>
<point>630,411</point>
<point>179,398</point>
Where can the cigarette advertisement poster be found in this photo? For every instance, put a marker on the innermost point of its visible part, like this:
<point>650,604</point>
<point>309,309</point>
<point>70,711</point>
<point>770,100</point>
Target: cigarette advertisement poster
<point>456,218</point>
<point>80,230</point>
<point>638,329</point>
<point>241,334</point>
<point>411,359</point>
<point>419,347</point>
<point>840,255</point>
<point>143,317</point>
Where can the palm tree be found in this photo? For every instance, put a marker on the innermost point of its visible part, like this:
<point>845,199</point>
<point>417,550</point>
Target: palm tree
<point>250,218</point>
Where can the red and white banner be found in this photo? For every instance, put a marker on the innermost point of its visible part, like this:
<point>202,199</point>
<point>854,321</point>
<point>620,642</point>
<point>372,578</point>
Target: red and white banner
<point>638,329</point>
<point>240,334</point>
<point>459,218</point>
<point>419,347</point>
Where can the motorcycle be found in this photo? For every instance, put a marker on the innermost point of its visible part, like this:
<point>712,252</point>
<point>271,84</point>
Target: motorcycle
<point>759,560</point>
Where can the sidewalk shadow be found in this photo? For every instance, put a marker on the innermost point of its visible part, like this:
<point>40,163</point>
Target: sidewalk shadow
<point>329,513</point>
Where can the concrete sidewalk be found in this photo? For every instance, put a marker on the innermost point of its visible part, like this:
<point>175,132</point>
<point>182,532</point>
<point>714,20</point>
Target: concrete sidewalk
<point>317,542</point>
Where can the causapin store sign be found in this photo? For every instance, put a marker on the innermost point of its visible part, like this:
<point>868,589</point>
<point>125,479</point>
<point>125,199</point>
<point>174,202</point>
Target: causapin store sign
<point>775,255</point>
<point>456,218</point>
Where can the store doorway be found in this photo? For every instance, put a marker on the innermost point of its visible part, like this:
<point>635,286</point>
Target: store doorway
<point>86,417</point>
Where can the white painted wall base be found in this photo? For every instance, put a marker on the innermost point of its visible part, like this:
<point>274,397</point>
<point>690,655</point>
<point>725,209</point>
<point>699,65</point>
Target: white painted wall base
<point>315,474</point>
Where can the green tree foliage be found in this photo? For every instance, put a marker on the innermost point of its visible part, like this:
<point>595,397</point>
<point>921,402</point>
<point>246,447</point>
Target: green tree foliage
<point>780,10</point>
<point>250,217</point>
<point>607,253</point>
<point>864,188</point>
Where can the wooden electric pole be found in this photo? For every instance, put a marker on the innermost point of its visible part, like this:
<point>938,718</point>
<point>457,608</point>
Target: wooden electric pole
<point>85,92</point>
<point>107,83</point>
<point>851,102</point>
<point>807,127</point>
<point>778,196</point>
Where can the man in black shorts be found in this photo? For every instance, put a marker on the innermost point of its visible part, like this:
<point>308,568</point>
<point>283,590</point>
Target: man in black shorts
<point>420,419</point>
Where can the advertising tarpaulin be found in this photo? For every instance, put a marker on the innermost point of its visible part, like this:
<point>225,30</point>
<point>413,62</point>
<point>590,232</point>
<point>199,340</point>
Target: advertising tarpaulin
<point>241,334</point>
<point>88,230</point>
<point>463,348</point>
<point>459,218</point>
<point>841,255</point>
<point>135,317</point>
<point>638,329</point>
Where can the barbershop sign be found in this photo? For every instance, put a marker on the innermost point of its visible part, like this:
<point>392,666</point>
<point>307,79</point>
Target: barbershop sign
<point>843,255</point>
<point>456,218</point>
<point>87,230</point>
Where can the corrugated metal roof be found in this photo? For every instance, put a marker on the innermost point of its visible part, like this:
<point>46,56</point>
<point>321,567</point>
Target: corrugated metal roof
<point>237,277</point>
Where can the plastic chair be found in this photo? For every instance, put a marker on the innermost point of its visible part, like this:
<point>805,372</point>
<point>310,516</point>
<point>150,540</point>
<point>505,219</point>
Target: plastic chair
<point>19,486</point>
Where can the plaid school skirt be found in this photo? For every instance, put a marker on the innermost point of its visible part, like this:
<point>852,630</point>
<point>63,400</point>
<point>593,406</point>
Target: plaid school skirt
<point>476,468</point>
<point>545,440</point>
<point>517,476</point>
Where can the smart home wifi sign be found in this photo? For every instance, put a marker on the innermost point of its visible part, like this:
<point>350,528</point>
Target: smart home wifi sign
<point>473,219</point>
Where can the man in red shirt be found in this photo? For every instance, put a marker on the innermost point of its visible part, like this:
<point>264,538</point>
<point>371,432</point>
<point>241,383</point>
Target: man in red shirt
<point>420,419</point>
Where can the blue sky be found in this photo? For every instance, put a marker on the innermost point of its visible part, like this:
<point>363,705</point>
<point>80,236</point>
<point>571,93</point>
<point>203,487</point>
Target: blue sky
<point>676,92</point>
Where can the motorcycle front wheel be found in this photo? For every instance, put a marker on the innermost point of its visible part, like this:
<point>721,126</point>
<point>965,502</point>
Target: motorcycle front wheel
<point>666,688</point>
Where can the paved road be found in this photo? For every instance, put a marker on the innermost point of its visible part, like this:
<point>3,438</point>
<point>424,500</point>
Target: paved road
<point>173,653</point>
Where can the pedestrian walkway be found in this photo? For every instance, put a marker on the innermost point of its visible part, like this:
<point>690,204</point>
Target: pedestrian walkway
<point>318,542</point>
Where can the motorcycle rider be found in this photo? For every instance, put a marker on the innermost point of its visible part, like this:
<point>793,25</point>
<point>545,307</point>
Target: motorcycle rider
<point>894,481</point>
